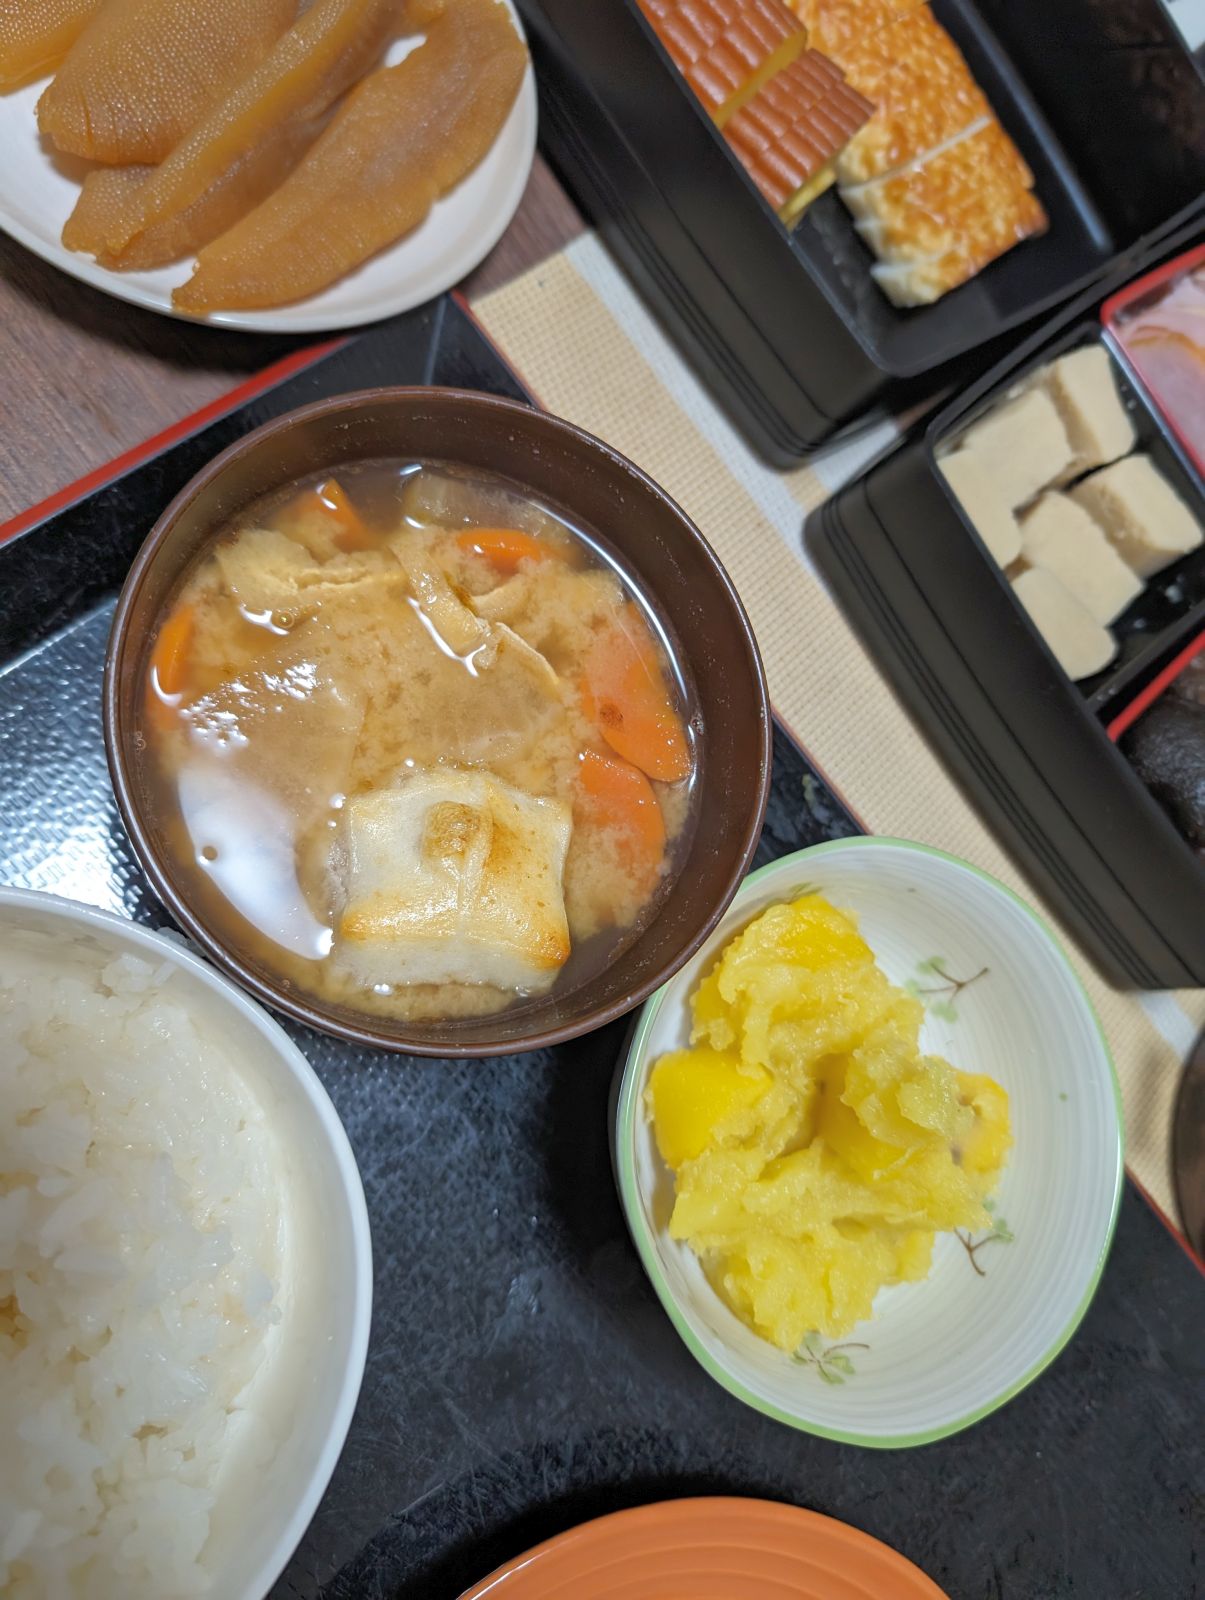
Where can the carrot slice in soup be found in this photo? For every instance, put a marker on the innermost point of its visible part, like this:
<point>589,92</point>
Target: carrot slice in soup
<point>617,796</point>
<point>169,658</point>
<point>330,499</point>
<point>505,547</point>
<point>626,697</point>
<point>169,664</point>
<point>353,534</point>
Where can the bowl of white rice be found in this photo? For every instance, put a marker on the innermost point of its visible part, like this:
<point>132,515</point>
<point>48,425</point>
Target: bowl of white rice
<point>185,1270</point>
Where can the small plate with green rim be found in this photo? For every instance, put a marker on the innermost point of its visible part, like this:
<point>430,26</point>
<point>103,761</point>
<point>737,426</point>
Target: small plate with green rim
<point>1000,998</point>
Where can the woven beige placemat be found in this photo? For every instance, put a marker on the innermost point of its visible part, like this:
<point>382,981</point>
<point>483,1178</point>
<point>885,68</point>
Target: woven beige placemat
<point>588,350</point>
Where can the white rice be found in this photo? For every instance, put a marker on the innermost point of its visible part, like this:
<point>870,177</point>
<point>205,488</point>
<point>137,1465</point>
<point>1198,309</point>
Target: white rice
<point>140,1241</point>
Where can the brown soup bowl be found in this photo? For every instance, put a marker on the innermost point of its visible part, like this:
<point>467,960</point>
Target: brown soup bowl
<point>590,483</point>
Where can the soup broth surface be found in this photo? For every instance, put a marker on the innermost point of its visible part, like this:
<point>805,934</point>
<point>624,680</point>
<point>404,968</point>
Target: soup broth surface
<point>416,744</point>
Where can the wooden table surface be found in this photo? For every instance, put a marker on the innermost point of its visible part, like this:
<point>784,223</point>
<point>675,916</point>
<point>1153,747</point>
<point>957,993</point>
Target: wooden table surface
<point>83,376</point>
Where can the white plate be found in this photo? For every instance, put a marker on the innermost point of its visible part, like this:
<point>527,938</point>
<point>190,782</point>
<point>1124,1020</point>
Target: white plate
<point>39,190</point>
<point>939,1354</point>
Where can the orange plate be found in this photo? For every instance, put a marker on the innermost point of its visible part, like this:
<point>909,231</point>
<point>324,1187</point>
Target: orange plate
<point>710,1549</point>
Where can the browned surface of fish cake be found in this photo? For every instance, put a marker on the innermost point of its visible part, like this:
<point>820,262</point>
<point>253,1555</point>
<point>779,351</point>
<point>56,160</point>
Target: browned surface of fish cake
<point>937,224</point>
<point>834,26</point>
<point>924,92</point>
<point>800,120</point>
<point>726,49</point>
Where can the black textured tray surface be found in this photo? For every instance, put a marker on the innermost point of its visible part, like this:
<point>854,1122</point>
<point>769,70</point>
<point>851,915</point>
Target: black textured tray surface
<point>521,1375</point>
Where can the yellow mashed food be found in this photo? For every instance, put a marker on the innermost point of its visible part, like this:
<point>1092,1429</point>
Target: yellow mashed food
<point>816,1150</point>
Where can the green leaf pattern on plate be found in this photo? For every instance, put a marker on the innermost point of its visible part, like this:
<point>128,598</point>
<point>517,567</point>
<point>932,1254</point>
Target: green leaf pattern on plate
<point>998,1233</point>
<point>831,1362</point>
<point>936,987</point>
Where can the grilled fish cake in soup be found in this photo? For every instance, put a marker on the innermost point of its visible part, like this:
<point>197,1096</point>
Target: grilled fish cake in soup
<point>416,745</point>
<point>454,877</point>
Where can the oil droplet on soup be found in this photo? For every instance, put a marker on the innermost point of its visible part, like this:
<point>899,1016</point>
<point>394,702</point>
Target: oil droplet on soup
<point>417,744</point>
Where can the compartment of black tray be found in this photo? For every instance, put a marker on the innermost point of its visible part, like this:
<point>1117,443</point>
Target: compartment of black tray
<point>1173,599</point>
<point>790,330</point>
<point>1028,742</point>
<point>1162,735</point>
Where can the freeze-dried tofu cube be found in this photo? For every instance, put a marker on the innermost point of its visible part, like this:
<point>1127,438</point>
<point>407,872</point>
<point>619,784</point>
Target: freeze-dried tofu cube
<point>1023,443</point>
<point>1062,537</point>
<point>979,495</point>
<point>1084,389</point>
<point>1081,645</point>
<point>1149,524</point>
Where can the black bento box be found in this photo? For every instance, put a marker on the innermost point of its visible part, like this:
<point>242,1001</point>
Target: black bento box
<point>1032,746</point>
<point>788,328</point>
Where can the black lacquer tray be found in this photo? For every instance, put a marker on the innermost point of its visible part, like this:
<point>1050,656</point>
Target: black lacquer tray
<point>786,327</point>
<point>521,1374</point>
<point>1032,746</point>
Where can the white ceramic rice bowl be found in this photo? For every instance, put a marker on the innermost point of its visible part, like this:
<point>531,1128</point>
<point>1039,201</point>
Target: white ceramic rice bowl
<point>327,1296</point>
<point>938,1355</point>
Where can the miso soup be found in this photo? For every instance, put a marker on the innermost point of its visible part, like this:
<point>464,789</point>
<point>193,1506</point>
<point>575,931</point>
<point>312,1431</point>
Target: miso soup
<point>416,744</point>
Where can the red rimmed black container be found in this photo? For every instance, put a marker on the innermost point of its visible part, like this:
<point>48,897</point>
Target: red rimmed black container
<point>788,328</point>
<point>1033,748</point>
<point>1162,314</point>
<point>1161,732</point>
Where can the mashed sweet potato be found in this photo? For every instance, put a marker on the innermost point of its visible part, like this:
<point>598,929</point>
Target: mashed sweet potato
<point>816,1150</point>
